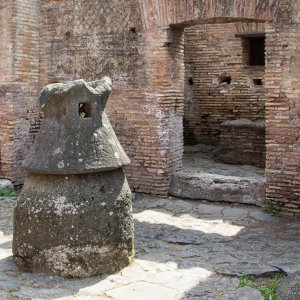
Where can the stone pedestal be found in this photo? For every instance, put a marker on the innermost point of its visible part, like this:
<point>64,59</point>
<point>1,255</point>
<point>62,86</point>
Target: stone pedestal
<point>73,217</point>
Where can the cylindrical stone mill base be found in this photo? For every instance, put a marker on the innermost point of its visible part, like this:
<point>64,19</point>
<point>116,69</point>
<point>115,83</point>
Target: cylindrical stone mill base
<point>74,225</point>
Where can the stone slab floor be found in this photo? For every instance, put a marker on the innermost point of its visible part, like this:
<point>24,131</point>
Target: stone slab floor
<point>184,250</point>
<point>203,159</point>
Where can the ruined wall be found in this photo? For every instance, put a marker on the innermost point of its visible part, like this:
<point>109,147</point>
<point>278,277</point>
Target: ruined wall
<point>132,42</point>
<point>213,54</point>
<point>7,96</point>
<point>157,13</point>
<point>5,41</point>
<point>19,62</point>
<point>80,41</point>
<point>281,81</point>
<point>6,111</point>
<point>283,116</point>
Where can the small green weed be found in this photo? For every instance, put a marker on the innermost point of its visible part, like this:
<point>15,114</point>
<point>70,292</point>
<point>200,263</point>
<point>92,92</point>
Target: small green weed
<point>271,208</point>
<point>247,281</point>
<point>13,290</point>
<point>6,193</point>
<point>267,287</point>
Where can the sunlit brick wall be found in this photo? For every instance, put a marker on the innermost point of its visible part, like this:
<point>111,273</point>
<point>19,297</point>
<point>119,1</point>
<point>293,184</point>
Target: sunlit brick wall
<point>19,61</point>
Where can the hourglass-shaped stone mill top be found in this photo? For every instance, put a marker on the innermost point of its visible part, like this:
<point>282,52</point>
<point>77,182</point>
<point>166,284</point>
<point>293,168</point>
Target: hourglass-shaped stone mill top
<point>74,216</point>
<point>76,136</point>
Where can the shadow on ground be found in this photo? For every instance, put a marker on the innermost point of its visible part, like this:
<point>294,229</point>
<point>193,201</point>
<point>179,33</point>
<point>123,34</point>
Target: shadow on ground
<point>184,250</point>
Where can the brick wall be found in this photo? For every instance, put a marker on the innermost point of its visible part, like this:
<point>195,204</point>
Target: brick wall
<point>90,43</point>
<point>7,95</point>
<point>5,41</point>
<point>139,44</point>
<point>243,142</point>
<point>146,105</point>
<point>158,13</point>
<point>214,54</point>
<point>283,116</point>
<point>19,62</point>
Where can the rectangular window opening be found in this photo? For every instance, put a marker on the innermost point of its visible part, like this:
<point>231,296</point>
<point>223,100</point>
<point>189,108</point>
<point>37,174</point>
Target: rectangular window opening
<point>253,50</point>
<point>258,81</point>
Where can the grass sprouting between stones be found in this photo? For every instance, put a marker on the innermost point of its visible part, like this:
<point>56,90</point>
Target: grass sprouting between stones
<point>13,290</point>
<point>271,209</point>
<point>6,193</point>
<point>267,287</point>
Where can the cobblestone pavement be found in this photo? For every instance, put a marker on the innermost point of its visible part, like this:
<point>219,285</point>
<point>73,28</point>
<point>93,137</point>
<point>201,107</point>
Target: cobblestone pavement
<point>184,250</point>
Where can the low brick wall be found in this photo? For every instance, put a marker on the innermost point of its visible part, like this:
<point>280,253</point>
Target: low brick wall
<point>243,142</point>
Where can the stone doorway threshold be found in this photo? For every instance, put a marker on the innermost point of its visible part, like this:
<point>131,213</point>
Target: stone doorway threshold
<point>203,177</point>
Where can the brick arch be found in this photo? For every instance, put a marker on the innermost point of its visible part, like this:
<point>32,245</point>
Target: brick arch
<point>157,13</point>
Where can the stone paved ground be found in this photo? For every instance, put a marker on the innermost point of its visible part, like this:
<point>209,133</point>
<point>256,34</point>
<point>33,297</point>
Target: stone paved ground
<point>184,250</point>
<point>203,159</point>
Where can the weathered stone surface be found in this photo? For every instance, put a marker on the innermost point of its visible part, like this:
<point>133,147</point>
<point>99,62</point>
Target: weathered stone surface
<point>77,226</point>
<point>74,215</point>
<point>83,140</point>
<point>209,209</point>
<point>288,265</point>
<point>178,206</point>
<point>6,282</point>
<point>6,184</point>
<point>240,268</point>
<point>263,216</point>
<point>203,178</point>
<point>214,187</point>
<point>245,293</point>
<point>235,212</point>
<point>211,287</point>
<point>68,225</point>
<point>289,288</point>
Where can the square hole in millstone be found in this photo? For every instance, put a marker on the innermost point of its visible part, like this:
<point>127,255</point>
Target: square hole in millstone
<point>85,110</point>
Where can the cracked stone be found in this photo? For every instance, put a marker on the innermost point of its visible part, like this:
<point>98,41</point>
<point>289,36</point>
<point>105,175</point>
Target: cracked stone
<point>245,268</point>
<point>287,267</point>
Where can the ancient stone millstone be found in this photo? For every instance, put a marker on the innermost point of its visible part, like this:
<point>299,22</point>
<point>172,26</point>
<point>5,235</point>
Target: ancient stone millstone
<point>73,217</point>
